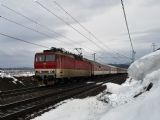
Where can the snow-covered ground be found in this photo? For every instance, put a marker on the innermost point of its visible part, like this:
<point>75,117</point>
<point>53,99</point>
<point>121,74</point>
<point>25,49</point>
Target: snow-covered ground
<point>119,102</point>
<point>15,73</point>
<point>4,75</point>
<point>20,73</point>
<point>1,72</point>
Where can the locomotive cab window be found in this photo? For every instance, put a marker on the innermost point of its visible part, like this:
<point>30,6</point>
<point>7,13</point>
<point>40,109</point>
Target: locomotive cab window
<point>40,58</point>
<point>50,57</point>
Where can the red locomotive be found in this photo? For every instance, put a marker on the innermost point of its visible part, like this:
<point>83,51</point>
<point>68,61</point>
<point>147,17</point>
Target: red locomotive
<point>55,64</point>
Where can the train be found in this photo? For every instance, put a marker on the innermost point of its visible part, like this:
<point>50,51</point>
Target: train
<point>55,64</point>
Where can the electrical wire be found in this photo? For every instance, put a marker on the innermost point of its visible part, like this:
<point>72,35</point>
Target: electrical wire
<point>87,29</point>
<point>43,26</point>
<point>18,39</point>
<point>97,45</point>
<point>125,17</point>
<point>66,23</point>
<point>30,28</point>
<point>24,26</point>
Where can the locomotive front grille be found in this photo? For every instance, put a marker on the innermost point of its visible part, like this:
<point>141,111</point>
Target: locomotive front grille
<point>45,71</point>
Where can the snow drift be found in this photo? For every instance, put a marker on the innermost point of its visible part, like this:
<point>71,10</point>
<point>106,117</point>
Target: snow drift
<point>144,66</point>
<point>141,73</point>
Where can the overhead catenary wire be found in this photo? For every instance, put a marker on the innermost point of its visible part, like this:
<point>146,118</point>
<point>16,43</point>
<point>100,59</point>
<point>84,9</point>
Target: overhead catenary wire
<point>31,20</point>
<point>97,45</point>
<point>18,13</point>
<point>41,25</point>
<point>125,17</point>
<point>12,21</point>
<point>66,23</point>
<point>74,19</point>
<point>18,39</point>
<point>87,30</point>
<point>28,28</point>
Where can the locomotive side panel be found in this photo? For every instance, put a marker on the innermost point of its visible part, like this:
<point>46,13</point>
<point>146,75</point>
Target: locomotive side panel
<point>65,66</point>
<point>83,68</point>
<point>70,67</point>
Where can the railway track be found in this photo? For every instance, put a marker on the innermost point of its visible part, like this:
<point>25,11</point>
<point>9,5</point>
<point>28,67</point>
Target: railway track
<point>13,95</point>
<point>19,109</point>
<point>19,91</point>
<point>12,110</point>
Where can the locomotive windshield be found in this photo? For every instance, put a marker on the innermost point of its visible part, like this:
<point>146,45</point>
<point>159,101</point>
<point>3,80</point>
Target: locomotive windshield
<point>43,58</point>
<point>50,57</point>
<point>40,58</point>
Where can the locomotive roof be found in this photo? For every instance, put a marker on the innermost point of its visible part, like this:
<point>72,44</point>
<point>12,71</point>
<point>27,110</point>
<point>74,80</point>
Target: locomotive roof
<point>61,51</point>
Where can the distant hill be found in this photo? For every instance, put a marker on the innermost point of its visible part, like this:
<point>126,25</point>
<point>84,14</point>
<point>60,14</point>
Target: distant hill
<point>158,49</point>
<point>121,65</point>
<point>21,68</point>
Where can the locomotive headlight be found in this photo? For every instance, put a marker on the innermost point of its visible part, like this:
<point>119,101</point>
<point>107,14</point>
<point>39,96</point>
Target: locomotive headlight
<point>37,71</point>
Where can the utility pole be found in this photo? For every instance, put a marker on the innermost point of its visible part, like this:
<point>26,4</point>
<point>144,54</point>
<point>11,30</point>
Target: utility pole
<point>153,47</point>
<point>94,57</point>
<point>125,17</point>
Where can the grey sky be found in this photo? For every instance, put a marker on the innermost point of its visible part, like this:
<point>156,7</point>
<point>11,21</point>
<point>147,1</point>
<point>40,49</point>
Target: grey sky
<point>104,18</point>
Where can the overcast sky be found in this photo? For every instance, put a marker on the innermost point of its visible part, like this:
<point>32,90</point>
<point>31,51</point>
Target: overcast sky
<point>104,18</point>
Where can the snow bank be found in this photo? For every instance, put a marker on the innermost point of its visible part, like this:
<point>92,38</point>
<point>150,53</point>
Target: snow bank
<point>145,107</point>
<point>121,94</point>
<point>146,69</point>
<point>113,88</point>
<point>144,66</point>
<point>142,72</point>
